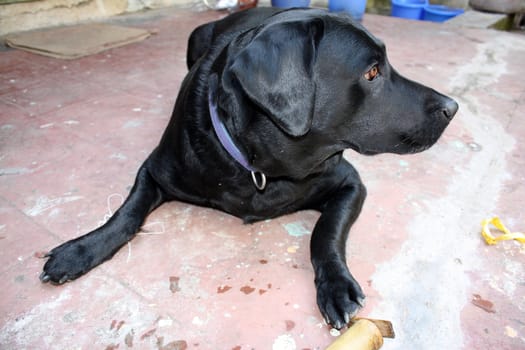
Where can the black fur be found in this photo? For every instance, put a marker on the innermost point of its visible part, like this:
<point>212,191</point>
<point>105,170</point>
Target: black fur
<point>292,89</point>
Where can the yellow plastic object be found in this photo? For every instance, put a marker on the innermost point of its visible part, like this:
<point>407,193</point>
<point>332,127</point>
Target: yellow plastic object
<point>507,235</point>
<point>363,335</point>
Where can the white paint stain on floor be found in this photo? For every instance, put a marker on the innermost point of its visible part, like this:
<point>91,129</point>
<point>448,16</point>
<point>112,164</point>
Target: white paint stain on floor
<point>284,342</point>
<point>425,286</point>
<point>44,203</point>
<point>29,327</point>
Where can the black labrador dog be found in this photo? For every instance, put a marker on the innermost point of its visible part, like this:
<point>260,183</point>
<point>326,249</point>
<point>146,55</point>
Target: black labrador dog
<point>271,100</point>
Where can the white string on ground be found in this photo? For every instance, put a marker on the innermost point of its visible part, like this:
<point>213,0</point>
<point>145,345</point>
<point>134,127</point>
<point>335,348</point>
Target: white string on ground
<point>129,252</point>
<point>143,230</point>
<point>110,212</point>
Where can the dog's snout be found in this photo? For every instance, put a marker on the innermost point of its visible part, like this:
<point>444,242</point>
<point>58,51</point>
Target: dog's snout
<point>449,109</point>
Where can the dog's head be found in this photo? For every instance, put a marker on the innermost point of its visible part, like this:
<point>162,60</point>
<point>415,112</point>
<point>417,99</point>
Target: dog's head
<point>326,84</point>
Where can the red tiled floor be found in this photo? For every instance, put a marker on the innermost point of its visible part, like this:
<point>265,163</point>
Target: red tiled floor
<point>73,133</point>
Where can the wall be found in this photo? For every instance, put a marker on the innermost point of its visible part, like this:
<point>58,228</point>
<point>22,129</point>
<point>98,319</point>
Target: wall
<point>45,13</point>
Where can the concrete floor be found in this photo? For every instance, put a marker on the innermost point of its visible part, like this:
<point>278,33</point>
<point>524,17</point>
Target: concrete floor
<point>73,133</point>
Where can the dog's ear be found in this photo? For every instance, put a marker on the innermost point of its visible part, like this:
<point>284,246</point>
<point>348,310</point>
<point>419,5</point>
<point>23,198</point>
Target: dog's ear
<point>275,70</point>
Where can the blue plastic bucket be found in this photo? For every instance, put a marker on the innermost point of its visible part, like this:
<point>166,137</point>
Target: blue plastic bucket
<point>290,3</point>
<point>356,8</point>
<point>440,13</point>
<point>411,9</point>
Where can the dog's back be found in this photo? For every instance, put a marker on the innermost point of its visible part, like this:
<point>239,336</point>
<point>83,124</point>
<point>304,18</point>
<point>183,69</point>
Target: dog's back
<point>203,36</point>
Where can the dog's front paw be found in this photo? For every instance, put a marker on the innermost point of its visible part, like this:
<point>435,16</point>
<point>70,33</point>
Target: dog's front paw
<point>67,262</point>
<point>339,298</point>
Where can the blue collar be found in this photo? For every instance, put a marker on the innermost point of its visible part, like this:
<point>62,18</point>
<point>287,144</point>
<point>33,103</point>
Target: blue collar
<point>259,179</point>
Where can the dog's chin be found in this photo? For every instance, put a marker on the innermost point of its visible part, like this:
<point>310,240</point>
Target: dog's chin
<point>404,145</point>
<point>418,142</point>
<point>411,147</point>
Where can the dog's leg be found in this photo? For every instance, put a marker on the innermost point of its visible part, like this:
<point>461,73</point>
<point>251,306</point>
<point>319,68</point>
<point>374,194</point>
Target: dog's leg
<point>76,257</point>
<point>339,296</point>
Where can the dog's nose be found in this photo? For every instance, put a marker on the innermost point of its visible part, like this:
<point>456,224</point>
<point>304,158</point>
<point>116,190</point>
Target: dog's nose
<point>450,107</point>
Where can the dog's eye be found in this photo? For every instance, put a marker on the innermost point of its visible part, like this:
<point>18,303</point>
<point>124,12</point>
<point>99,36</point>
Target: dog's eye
<point>372,73</point>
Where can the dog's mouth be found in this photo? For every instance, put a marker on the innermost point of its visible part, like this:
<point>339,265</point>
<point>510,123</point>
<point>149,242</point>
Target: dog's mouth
<point>424,135</point>
<point>404,144</point>
<point>417,139</point>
